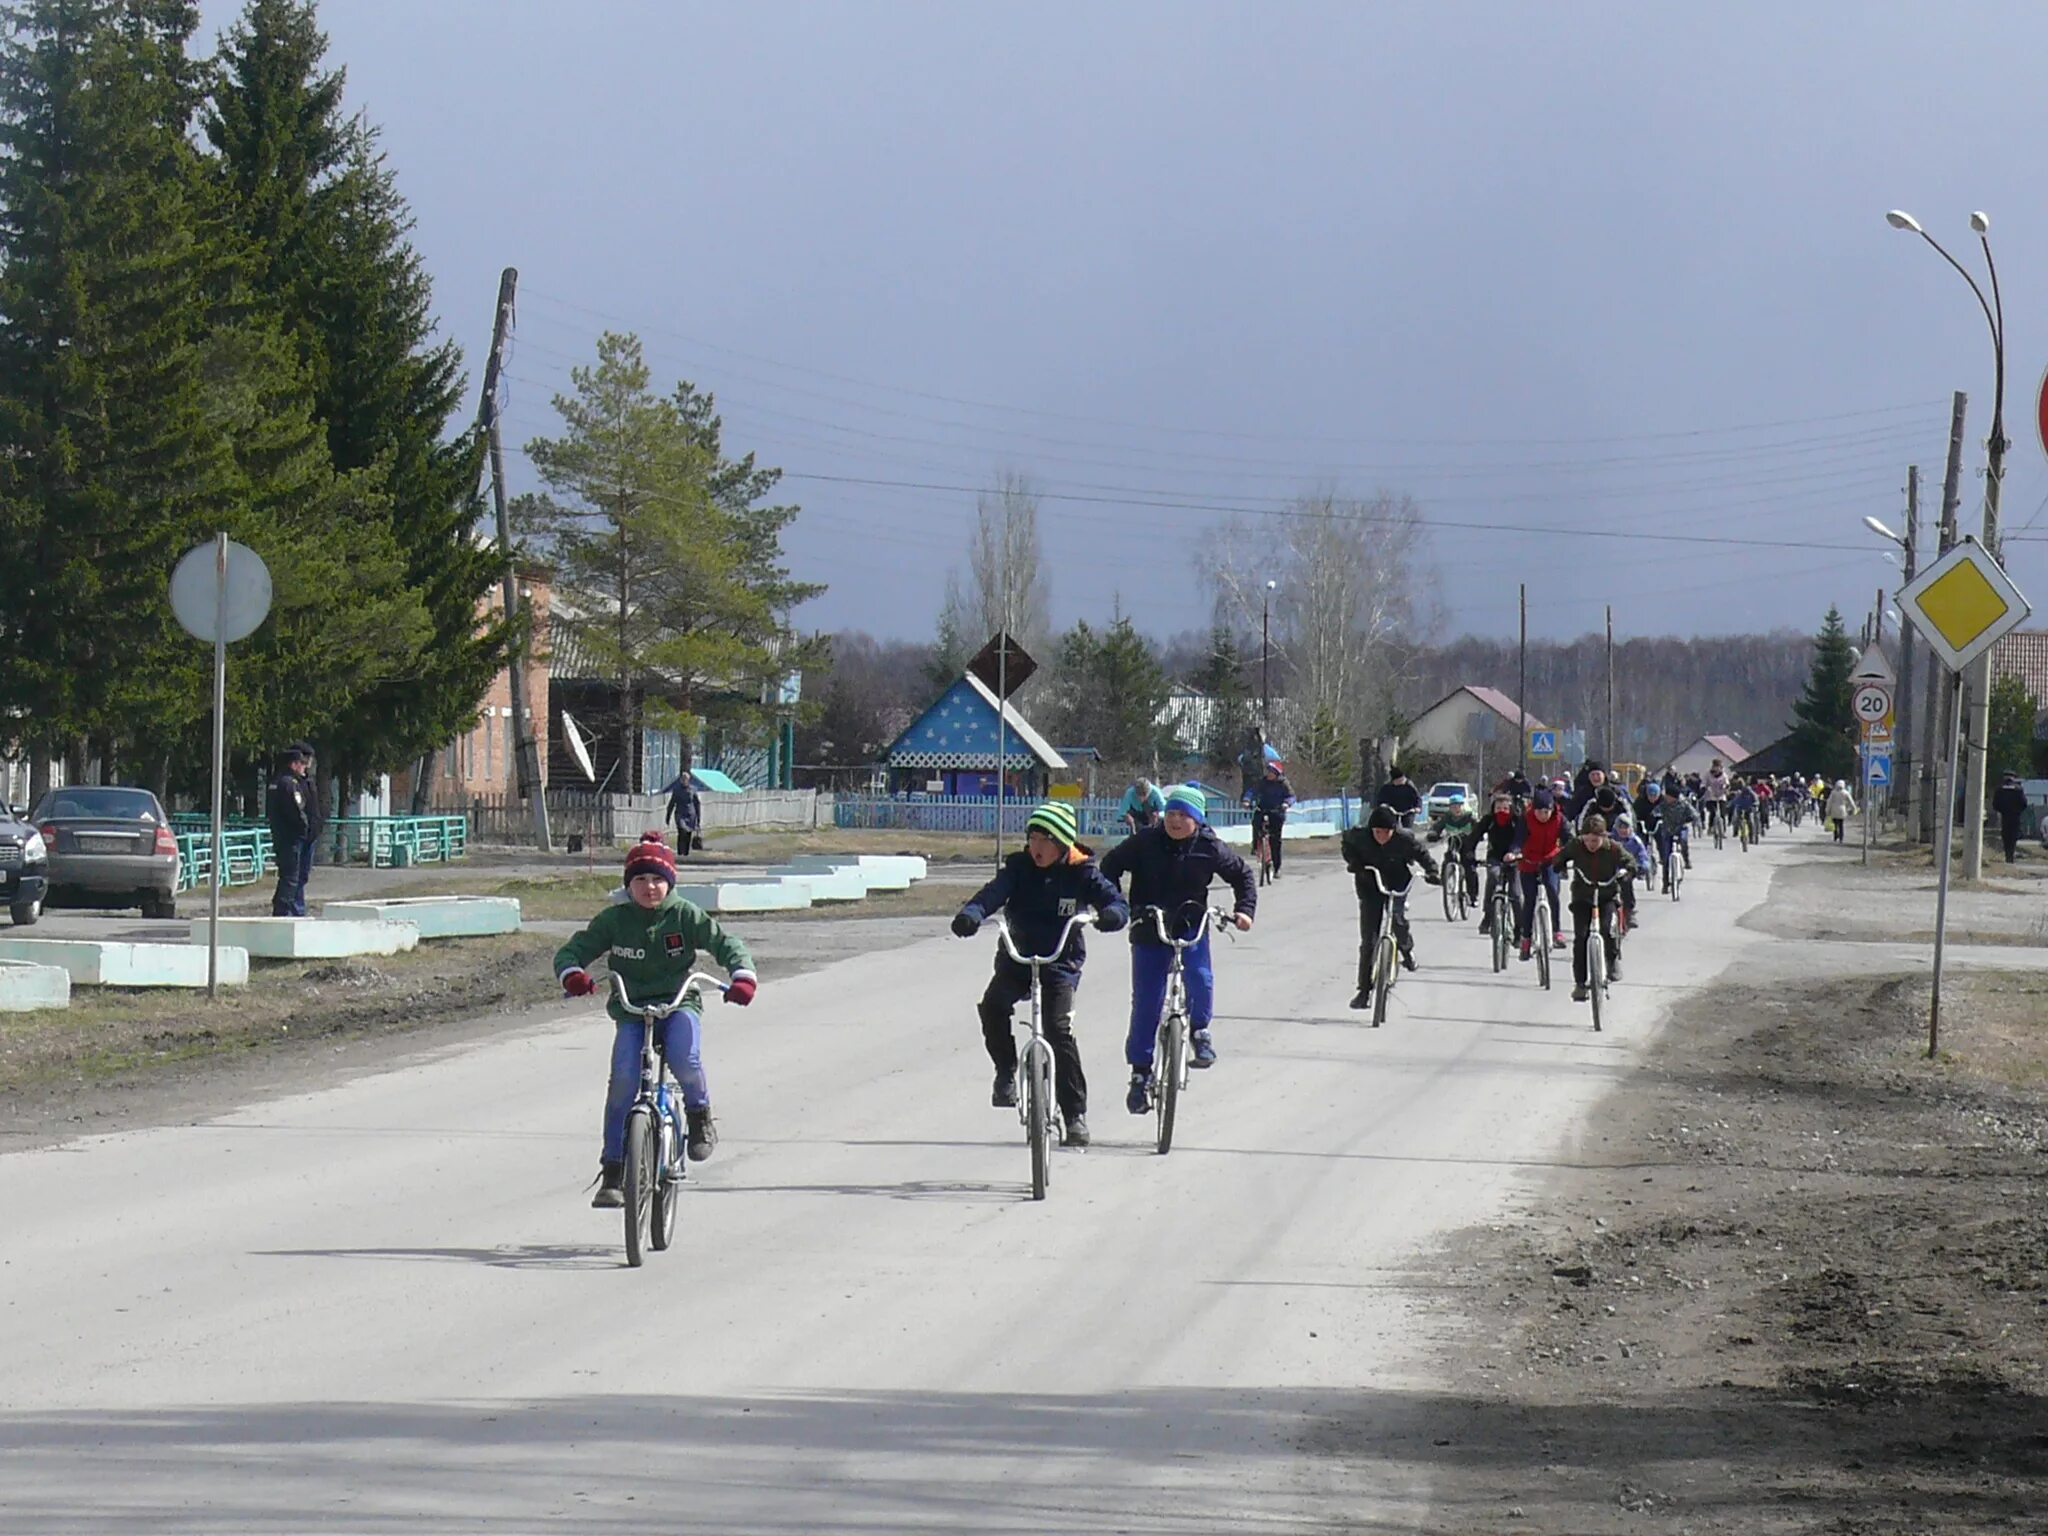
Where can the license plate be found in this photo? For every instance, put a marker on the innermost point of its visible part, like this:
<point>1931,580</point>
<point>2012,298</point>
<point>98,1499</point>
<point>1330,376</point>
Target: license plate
<point>113,844</point>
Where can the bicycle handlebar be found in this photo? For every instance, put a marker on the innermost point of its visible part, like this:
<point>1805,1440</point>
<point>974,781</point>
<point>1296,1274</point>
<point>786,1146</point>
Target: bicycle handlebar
<point>1078,920</point>
<point>696,978</point>
<point>1380,880</point>
<point>1215,915</point>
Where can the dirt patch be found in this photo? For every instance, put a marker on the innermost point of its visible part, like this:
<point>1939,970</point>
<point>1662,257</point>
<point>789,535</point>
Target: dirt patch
<point>1806,1290</point>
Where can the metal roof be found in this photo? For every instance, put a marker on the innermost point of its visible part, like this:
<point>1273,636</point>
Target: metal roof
<point>1493,699</point>
<point>958,730</point>
<point>2024,654</point>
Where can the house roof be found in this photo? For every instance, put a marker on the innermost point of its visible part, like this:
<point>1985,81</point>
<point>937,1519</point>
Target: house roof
<point>958,730</point>
<point>2024,654</point>
<point>1730,750</point>
<point>1494,700</point>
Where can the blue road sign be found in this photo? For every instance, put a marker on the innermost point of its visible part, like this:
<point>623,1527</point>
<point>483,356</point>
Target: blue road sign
<point>1543,743</point>
<point>1877,770</point>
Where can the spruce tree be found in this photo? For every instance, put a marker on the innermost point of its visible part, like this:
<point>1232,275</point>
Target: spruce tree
<point>1823,720</point>
<point>324,232</point>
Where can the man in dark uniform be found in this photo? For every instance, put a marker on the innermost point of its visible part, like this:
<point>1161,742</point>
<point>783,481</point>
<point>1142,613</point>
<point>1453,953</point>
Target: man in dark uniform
<point>293,810</point>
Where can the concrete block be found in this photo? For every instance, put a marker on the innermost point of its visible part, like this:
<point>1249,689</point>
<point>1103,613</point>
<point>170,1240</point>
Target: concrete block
<point>748,896</point>
<point>884,871</point>
<point>436,917</point>
<point>96,963</point>
<point>25,987</point>
<point>846,883</point>
<point>310,938</point>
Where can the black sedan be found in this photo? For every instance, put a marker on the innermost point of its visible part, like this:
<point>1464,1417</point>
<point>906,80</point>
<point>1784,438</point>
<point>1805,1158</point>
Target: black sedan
<point>24,868</point>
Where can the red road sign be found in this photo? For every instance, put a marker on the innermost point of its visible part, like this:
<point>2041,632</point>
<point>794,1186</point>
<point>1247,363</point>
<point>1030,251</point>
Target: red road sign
<point>2041,411</point>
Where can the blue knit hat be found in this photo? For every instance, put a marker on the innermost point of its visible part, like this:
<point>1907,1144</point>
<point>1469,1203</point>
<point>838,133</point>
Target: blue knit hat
<point>1189,801</point>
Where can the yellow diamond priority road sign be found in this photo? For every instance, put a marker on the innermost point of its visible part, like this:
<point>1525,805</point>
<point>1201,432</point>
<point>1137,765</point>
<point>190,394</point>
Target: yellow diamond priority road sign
<point>1963,604</point>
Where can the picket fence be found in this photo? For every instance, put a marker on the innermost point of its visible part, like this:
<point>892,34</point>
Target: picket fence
<point>1099,818</point>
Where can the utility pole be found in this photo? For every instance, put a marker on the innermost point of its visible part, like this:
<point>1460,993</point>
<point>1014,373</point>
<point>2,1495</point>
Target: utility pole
<point>1522,688</point>
<point>1978,738</point>
<point>531,788</point>
<point>1903,787</point>
<point>1610,754</point>
<point>1942,685</point>
<point>1266,666</point>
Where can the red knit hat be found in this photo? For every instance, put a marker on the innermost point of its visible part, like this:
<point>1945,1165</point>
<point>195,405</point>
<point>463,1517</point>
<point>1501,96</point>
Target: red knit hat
<point>651,856</point>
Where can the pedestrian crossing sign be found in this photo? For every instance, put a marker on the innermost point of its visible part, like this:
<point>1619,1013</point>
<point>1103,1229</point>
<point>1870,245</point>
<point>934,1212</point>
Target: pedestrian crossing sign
<point>1543,743</point>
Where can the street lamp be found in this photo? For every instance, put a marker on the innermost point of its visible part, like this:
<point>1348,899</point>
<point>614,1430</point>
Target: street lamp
<point>1266,664</point>
<point>1977,739</point>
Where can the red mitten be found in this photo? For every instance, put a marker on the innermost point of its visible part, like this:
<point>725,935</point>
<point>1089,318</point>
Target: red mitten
<point>740,990</point>
<point>578,982</point>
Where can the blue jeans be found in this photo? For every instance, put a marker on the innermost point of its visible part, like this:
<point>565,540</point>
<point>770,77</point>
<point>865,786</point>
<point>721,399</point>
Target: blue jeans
<point>680,1038</point>
<point>1150,965</point>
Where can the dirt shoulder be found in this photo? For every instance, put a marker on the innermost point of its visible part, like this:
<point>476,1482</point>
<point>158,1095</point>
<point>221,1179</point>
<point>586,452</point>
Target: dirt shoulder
<point>1800,1286</point>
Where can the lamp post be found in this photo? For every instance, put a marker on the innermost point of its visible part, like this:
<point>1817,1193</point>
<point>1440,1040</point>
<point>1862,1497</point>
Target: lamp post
<point>1978,733</point>
<point>1266,664</point>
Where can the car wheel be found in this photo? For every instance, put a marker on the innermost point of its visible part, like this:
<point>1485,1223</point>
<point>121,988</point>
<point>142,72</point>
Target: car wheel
<point>159,908</point>
<point>26,915</point>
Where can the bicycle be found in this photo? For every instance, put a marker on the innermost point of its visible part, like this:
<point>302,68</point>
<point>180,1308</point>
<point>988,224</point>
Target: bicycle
<point>1386,954</point>
<point>1714,823</point>
<point>1457,894</point>
<point>1500,914</point>
<point>1606,910</point>
<point>654,1169</point>
<point>1170,1051</point>
<point>1542,927</point>
<point>1036,1105</point>
<point>1674,867</point>
<point>1745,829</point>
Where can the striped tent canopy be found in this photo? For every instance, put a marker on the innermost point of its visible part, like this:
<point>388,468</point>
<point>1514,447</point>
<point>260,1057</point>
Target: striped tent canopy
<point>959,731</point>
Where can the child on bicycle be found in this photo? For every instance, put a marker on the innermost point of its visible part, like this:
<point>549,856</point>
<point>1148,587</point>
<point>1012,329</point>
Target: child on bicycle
<point>1171,867</point>
<point>1625,838</point>
<point>1594,860</point>
<point>1496,837</point>
<point>650,942</point>
<point>1054,878</point>
<point>1269,800</point>
<point>1382,845</point>
<point>1535,859</point>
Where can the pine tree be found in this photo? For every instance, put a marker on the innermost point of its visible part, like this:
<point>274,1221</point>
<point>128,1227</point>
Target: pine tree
<point>324,233</point>
<point>1824,723</point>
<point>1233,715</point>
<point>671,578</point>
<point>1112,695</point>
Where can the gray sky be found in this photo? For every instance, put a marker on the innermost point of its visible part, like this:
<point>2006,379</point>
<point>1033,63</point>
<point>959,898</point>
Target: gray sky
<point>1546,268</point>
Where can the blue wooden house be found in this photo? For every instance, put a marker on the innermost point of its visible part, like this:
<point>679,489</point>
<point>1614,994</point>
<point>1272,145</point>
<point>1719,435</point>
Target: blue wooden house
<point>950,749</point>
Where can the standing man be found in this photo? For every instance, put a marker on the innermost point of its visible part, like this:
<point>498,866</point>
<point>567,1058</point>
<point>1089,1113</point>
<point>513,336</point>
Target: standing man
<point>686,810</point>
<point>2011,804</point>
<point>293,810</point>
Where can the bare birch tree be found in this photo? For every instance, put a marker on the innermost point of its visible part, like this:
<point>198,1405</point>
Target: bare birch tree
<point>1355,597</point>
<point>1009,589</point>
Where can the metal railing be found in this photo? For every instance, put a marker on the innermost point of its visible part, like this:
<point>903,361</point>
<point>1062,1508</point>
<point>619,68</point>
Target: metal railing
<point>395,842</point>
<point>246,854</point>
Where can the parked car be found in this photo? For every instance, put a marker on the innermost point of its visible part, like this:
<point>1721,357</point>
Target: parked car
<point>24,867</point>
<point>109,846</point>
<point>1441,797</point>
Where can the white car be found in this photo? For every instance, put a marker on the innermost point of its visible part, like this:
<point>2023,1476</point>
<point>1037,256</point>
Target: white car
<point>1436,805</point>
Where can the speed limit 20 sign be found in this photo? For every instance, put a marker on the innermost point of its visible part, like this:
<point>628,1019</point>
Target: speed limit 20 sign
<point>1873,705</point>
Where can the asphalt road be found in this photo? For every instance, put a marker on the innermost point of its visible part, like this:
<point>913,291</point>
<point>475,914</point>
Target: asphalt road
<point>385,1305</point>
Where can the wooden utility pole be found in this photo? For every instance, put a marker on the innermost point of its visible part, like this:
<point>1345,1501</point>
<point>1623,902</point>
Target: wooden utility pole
<point>527,754</point>
<point>1944,687</point>
<point>1904,789</point>
<point>1610,689</point>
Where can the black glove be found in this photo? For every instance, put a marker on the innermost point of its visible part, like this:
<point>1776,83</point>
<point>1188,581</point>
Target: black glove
<point>1109,919</point>
<point>1433,876</point>
<point>965,925</point>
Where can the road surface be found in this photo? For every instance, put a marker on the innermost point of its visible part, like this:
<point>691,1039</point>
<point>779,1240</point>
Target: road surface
<point>385,1305</point>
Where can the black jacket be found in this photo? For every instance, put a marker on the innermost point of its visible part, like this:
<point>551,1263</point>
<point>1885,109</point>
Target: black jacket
<point>1271,796</point>
<point>1039,902</point>
<point>1403,799</point>
<point>292,809</point>
<point>1606,800</point>
<point>1495,839</point>
<point>1169,874</point>
<point>2010,802</point>
<point>1393,858</point>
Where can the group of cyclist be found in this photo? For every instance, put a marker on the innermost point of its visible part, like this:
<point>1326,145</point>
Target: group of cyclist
<point>1532,835</point>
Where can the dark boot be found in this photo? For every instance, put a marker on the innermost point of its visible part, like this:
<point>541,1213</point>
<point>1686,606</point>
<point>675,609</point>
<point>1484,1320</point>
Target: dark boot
<point>611,1187</point>
<point>703,1134</point>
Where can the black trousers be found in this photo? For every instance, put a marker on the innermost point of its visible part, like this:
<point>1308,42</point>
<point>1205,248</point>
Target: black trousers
<point>1582,929</point>
<point>1011,985</point>
<point>1370,905</point>
<point>2009,834</point>
<point>286,850</point>
<point>1274,824</point>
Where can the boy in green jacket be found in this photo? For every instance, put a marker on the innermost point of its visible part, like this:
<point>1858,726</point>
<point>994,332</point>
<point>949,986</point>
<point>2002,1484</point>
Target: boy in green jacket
<point>650,941</point>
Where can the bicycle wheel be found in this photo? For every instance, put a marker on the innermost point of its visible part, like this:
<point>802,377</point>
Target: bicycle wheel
<point>1038,1120</point>
<point>1384,961</point>
<point>1539,940</point>
<point>641,1174</point>
<point>1450,894</point>
<point>1596,975</point>
<point>1167,1069</point>
<point>1502,934</point>
<point>668,1184</point>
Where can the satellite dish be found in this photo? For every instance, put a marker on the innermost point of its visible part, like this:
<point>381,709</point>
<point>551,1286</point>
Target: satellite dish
<point>578,747</point>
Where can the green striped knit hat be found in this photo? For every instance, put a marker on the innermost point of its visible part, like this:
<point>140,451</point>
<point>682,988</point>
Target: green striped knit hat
<point>1056,820</point>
